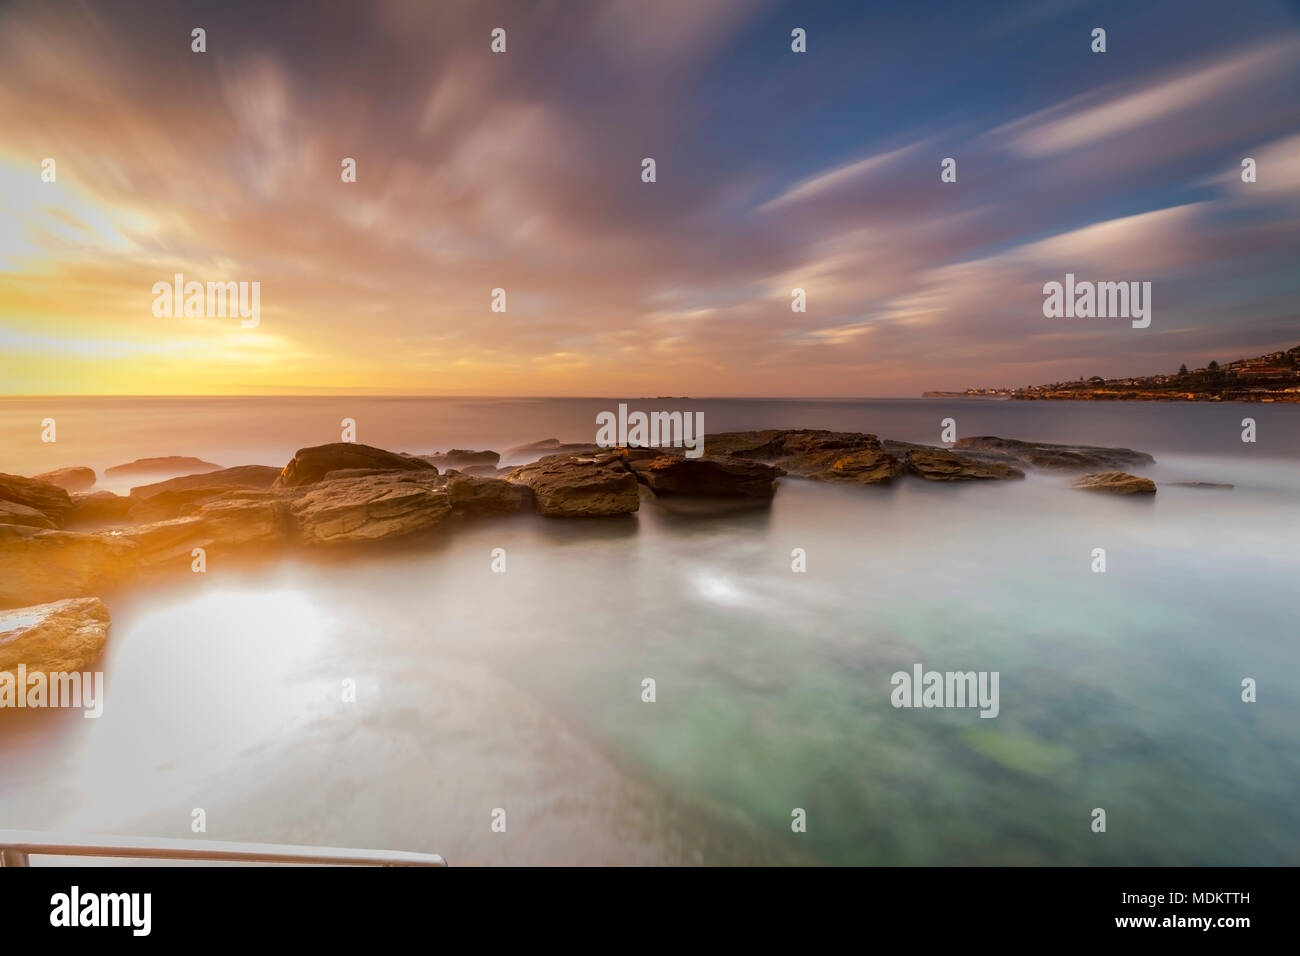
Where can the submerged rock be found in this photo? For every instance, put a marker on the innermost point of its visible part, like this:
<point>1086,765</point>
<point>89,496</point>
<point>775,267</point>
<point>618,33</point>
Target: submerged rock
<point>312,464</point>
<point>1115,482</point>
<point>62,636</point>
<point>76,478</point>
<point>1062,457</point>
<point>568,486</point>
<point>1198,484</point>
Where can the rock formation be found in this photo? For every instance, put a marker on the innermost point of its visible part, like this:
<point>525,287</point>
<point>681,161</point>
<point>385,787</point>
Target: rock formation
<point>312,464</point>
<point>72,479</point>
<point>60,637</point>
<point>1116,483</point>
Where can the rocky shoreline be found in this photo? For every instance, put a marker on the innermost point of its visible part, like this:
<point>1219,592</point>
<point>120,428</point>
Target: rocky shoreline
<point>1274,377</point>
<point>61,541</point>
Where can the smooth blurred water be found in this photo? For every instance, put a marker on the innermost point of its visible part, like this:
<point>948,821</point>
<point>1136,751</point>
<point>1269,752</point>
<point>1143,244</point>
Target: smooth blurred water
<point>101,432</point>
<point>522,690</point>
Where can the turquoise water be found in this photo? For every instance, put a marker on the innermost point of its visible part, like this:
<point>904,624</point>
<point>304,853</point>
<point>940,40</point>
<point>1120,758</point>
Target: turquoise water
<point>522,690</point>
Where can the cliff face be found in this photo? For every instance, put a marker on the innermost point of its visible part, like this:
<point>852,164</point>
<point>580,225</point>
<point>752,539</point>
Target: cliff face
<point>1268,378</point>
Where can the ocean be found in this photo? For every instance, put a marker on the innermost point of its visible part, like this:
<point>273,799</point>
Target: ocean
<point>522,692</point>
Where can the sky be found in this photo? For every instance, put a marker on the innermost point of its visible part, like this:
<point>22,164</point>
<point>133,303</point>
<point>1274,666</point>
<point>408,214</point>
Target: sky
<point>522,170</point>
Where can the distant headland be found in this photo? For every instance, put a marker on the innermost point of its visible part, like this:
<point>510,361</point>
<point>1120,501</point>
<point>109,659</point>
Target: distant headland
<point>1274,377</point>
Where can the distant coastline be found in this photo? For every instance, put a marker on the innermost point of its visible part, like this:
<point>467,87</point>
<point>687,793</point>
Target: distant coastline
<point>1274,377</point>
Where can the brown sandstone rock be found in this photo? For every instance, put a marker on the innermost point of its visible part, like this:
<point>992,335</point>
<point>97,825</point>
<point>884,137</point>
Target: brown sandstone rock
<point>471,495</point>
<point>550,446</point>
<point>1116,483</point>
<point>99,507</point>
<point>11,512</point>
<point>171,498</point>
<point>568,486</point>
<point>167,465</point>
<point>71,479</point>
<point>38,565</point>
<point>1060,457</point>
<point>939,464</point>
<point>241,476</point>
<point>63,636</point>
<point>310,465</point>
<point>706,476</point>
<point>813,453</point>
<point>51,500</point>
<point>370,507</point>
<point>461,459</point>
<point>229,523</point>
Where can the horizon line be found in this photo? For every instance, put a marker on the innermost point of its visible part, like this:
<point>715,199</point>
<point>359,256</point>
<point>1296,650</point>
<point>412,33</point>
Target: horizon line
<point>639,398</point>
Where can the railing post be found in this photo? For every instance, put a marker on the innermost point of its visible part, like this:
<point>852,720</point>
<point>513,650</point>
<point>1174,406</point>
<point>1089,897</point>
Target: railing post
<point>17,846</point>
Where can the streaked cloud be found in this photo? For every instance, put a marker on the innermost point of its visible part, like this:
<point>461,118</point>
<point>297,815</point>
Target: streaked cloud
<point>522,172</point>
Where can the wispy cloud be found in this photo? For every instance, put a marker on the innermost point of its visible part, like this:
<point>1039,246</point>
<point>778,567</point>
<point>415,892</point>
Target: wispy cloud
<point>522,172</point>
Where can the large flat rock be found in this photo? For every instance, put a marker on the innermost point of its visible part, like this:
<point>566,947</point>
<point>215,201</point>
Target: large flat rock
<point>475,496</point>
<point>1059,457</point>
<point>50,500</point>
<point>312,464</point>
<point>43,565</point>
<point>166,465</point>
<point>708,477</point>
<point>568,486</point>
<point>172,498</point>
<point>461,459</point>
<point>99,507</point>
<point>38,565</point>
<point>370,507</point>
<point>62,636</point>
<point>233,523</point>
<point>72,479</point>
<point>940,464</point>
<point>11,512</point>
<point>241,476</point>
<point>866,466</point>
<point>821,455</point>
<point>1115,483</point>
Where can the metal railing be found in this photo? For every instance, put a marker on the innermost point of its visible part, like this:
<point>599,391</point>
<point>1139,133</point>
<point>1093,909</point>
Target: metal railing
<point>17,845</point>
